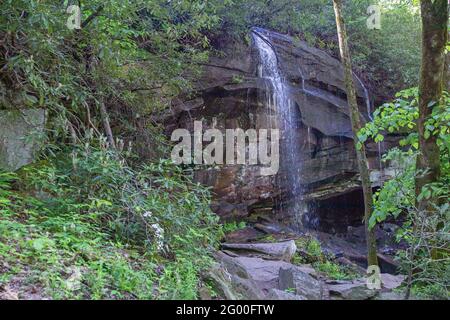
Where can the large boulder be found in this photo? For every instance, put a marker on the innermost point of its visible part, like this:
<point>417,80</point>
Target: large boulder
<point>21,132</point>
<point>264,273</point>
<point>230,286</point>
<point>351,290</point>
<point>390,281</point>
<point>244,277</point>
<point>301,281</point>
<point>276,251</point>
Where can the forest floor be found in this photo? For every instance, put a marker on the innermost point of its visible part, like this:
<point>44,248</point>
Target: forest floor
<point>263,261</point>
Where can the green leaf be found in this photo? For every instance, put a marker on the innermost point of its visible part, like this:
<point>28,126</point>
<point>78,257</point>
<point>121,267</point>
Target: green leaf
<point>41,243</point>
<point>379,138</point>
<point>359,146</point>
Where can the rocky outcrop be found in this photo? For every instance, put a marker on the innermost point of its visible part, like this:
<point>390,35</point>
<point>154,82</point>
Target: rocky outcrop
<point>282,251</point>
<point>300,281</point>
<point>358,290</point>
<point>350,290</point>
<point>247,277</point>
<point>229,95</point>
<point>20,136</point>
<point>238,276</point>
<point>391,282</point>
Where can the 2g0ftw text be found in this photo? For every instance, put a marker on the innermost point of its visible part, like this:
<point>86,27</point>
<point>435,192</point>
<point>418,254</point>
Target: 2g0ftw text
<point>247,309</point>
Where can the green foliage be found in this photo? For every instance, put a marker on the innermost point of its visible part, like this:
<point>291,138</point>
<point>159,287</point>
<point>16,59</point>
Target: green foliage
<point>84,206</point>
<point>291,290</point>
<point>179,281</point>
<point>132,54</point>
<point>312,247</point>
<point>309,251</point>
<point>398,193</point>
<point>388,58</point>
<point>68,254</point>
<point>334,271</point>
<point>391,56</point>
<point>399,117</point>
<point>234,226</point>
<point>237,79</point>
<point>427,258</point>
<point>433,291</point>
<point>115,226</point>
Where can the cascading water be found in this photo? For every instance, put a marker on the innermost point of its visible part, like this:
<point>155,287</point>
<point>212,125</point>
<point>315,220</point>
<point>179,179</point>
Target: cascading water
<point>366,98</point>
<point>280,106</point>
<point>369,115</point>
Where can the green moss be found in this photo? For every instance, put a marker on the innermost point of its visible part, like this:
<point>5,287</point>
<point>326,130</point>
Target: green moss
<point>269,239</point>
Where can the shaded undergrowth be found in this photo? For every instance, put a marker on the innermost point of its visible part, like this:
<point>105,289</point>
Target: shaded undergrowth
<point>84,224</point>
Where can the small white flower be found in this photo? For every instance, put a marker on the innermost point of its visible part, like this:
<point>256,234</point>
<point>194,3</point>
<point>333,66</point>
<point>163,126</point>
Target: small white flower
<point>159,236</point>
<point>147,214</point>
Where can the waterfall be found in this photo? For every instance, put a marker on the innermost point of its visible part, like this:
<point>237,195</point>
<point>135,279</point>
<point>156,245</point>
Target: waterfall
<point>279,105</point>
<point>369,114</point>
<point>366,98</point>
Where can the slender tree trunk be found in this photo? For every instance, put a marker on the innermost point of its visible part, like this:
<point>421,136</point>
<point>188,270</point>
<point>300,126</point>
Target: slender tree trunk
<point>372,258</point>
<point>106,126</point>
<point>447,71</point>
<point>432,77</point>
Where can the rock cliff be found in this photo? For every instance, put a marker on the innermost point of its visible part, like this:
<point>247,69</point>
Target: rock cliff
<point>228,95</point>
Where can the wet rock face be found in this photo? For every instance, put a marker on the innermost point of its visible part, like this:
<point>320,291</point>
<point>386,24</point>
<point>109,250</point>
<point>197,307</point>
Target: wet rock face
<point>231,95</point>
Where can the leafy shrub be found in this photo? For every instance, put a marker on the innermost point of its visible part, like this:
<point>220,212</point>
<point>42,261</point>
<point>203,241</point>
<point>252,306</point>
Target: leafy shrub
<point>120,228</point>
<point>335,271</point>
<point>234,226</point>
<point>310,251</point>
<point>311,248</point>
<point>427,259</point>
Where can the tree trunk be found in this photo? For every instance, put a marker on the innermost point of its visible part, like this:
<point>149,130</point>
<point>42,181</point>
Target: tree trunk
<point>432,76</point>
<point>447,71</point>
<point>372,258</point>
<point>106,126</point>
